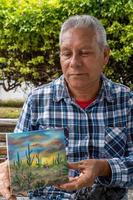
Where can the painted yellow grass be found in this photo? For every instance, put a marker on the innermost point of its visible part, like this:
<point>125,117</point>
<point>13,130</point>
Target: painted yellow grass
<point>49,159</point>
<point>46,160</point>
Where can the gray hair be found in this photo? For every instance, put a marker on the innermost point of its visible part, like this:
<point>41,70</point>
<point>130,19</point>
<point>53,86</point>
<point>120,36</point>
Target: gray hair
<point>86,21</point>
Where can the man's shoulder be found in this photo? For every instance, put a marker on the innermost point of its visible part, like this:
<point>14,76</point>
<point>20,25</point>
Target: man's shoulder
<point>117,87</point>
<point>120,88</point>
<point>117,90</point>
<point>47,89</point>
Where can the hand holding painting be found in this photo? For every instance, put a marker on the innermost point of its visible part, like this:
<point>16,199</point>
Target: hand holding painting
<point>4,181</point>
<point>36,158</point>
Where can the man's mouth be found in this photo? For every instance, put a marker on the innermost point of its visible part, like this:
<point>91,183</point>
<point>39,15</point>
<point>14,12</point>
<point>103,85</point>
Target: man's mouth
<point>78,74</point>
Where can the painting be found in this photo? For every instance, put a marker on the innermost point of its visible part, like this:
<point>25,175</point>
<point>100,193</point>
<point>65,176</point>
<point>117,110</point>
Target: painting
<point>36,158</point>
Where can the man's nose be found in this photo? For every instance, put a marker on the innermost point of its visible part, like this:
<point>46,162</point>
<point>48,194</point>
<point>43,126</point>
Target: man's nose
<point>75,61</point>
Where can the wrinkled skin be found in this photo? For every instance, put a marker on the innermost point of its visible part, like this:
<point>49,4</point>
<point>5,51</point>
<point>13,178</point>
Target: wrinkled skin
<point>5,182</point>
<point>82,60</point>
<point>89,170</point>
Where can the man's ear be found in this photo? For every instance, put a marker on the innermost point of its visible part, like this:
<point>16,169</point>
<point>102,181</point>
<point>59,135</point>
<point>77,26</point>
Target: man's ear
<point>106,55</point>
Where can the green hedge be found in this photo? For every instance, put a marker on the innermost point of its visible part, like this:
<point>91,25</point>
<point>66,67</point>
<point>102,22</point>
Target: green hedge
<point>29,32</point>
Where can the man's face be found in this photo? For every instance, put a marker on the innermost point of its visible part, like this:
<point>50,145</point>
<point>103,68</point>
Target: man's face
<point>81,58</point>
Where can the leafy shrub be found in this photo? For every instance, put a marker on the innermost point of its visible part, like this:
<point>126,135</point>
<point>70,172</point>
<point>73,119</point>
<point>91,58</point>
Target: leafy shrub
<point>29,31</point>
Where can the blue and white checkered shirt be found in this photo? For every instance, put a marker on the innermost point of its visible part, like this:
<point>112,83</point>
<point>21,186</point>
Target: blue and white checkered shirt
<point>102,130</point>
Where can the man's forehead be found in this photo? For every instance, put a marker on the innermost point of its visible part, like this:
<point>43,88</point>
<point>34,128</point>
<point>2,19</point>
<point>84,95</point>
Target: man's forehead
<point>79,33</point>
<point>80,38</point>
<point>65,46</point>
<point>79,30</point>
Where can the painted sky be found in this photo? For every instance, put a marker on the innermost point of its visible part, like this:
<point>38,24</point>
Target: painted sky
<point>44,142</point>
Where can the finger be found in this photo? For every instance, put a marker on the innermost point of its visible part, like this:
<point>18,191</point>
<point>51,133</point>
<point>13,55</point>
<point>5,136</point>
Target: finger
<point>4,180</point>
<point>63,184</point>
<point>77,183</point>
<point>73,178</point>
<point>76,165</point>
<point>69,186</point>
<point>6,193</point>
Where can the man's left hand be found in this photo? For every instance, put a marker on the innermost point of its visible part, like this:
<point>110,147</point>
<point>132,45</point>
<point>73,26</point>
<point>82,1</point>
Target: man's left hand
<point>89,170</point>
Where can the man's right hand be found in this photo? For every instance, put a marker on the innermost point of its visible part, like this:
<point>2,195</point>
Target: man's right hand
<point>5,182</point>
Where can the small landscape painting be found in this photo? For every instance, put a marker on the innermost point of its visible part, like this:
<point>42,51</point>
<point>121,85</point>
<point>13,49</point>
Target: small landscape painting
<point>36,158</point>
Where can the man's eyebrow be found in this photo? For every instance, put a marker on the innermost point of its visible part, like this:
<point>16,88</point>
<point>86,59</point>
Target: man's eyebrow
<point>82,47</point>
<point>64,48</point>
<point>86,47</point>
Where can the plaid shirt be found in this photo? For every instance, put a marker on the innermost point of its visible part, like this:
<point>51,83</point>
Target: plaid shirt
<point>102,130</point>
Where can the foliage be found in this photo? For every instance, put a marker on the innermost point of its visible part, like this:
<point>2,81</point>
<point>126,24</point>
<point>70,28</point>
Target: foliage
<point>10,108</point>
<point>29,32</point>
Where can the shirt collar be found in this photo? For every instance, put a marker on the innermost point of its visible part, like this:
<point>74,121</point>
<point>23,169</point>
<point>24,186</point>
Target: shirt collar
<point>60,90</point>
<point>106,88</point>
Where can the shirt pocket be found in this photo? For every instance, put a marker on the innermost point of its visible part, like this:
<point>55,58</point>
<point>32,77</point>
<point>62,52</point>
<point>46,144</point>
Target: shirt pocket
<point>115,142</point>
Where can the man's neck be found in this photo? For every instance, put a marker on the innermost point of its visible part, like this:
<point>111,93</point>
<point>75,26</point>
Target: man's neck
<point>85,94</point>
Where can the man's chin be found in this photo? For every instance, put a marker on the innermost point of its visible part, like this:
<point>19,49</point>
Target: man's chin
<point>76,85</point>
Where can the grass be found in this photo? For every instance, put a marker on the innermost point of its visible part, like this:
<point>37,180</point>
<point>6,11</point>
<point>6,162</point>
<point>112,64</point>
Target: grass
<point>10,108</point>
<point>9,112</point>
<point>11,103</point>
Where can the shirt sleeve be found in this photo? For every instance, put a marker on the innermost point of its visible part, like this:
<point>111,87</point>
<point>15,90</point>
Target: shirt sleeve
<point>122,168</point>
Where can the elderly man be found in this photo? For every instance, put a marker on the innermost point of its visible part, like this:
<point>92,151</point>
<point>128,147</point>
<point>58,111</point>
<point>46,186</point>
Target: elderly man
<point>97,112</point>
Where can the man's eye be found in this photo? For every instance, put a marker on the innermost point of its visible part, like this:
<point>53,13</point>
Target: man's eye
<point>85,53</point>
<point>66,54</point>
